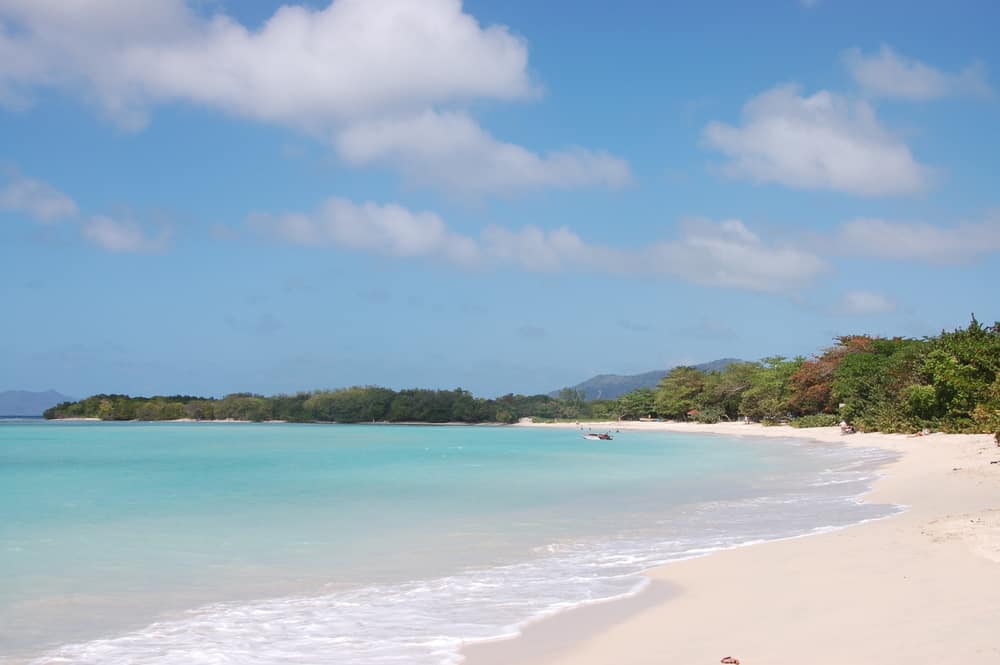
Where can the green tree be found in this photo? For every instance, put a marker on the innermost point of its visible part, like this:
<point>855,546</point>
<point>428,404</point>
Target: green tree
<point>679,391</point>
<point>963,366</point>
<point>640,403</point>
<point>767,396</point>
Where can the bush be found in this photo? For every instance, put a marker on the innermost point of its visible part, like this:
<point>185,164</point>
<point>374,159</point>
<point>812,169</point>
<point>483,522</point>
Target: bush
<point>818,420</point>
<point>707,416</point>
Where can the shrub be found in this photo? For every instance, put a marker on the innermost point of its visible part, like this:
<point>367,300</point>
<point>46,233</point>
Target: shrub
<point>707,416</point>
<point>818,420</point>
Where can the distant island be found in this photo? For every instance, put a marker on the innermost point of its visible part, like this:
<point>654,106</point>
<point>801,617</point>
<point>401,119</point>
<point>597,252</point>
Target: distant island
<point>27,403</point>
<point>949,382</point>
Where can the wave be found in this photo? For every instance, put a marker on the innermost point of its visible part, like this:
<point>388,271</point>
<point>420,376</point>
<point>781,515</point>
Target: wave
<point>426,621</point>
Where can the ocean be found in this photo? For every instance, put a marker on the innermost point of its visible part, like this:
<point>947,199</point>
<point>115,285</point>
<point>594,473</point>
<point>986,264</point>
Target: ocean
<point>283,543</point>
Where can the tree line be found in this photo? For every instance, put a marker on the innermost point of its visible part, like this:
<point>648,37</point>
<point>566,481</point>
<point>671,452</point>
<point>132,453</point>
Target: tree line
<point>949,382</point>
<point>357,404</point>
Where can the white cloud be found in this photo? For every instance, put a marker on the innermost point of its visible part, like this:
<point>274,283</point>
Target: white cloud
<point>921,241</point>
<point>301,67</point>
<point>364,74</point>
<point>889,74</point>
<point>538,250</point>
<point>728,254</point>
<point>451,150</point>
<point>123,235</point>
<point>825,141</point>
<point>864,302</point>
<point>724,254</point>
<point>383,229</point>
<point>47,204</point>
<point>37,199</point>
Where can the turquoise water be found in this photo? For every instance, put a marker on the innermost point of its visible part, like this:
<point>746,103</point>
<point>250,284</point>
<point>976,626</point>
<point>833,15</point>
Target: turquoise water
<point>260,543</point>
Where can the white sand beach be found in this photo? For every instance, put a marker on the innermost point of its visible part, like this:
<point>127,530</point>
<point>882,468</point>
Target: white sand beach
<point>919,587</point>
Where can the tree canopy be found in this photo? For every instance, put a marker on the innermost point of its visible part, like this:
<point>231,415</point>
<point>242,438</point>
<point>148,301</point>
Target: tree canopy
<point>948,382</point>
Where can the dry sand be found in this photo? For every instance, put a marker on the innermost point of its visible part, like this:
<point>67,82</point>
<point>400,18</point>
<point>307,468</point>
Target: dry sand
<point>920,587</point>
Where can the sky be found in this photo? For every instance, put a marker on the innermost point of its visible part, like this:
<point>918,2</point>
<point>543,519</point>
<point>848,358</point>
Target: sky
<point>206,196</point>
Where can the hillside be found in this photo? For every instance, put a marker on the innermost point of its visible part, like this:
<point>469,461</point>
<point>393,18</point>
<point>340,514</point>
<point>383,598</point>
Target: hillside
<point>27,403</point>
<point>610,386</point>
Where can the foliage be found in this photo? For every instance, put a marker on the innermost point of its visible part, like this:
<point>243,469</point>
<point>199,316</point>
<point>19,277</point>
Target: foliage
<point>678,392</point>
<point>816,420</point>
<point>346,405</point>
<point>949,382</point>
<point>767,398</point>
<point>637,404</point>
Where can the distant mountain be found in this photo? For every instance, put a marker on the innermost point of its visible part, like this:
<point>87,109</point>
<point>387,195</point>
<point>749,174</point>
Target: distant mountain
<point>27,403</point>
<point>610,386</point>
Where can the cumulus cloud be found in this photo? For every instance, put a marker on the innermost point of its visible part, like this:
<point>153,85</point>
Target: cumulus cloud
<point>119,235</point>
<point>364,74</point>
<point>540,250</point>
<point>889,74</point>
<point>824,141</point>
<point>723,254</point>
<point>452,150</point>
<point>864,302</point>
<point>921,241</point>
<point>302,66</point>
<point>383,229</point>
<point>37,199</point>
<point>728,254</point>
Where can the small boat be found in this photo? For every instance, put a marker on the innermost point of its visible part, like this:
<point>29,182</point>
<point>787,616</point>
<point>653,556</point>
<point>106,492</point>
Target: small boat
<point>597,437</point>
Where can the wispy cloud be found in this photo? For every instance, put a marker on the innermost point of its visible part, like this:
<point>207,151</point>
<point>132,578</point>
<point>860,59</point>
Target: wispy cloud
<point>373,77</point>
<point>383,229</point>
<point>118,235</point>
<point>890,74</point>
<point>824,141</point>
<point>921,241</point>
<point>44,203</point>
<point>864,302</point>
<point>452,151</point>
<point>39,200</point>
<point>723,254</point>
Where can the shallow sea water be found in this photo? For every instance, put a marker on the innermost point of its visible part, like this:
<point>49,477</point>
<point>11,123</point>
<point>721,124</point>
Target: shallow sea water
<point>280,543</point>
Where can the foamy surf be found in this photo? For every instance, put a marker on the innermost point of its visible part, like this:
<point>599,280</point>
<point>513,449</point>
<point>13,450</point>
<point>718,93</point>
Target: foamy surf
<point>427,621</point>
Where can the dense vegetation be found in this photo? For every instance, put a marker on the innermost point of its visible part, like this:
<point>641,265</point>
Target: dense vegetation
<point>950,382</point>
<point>613,386</point>
<point>347,405</point>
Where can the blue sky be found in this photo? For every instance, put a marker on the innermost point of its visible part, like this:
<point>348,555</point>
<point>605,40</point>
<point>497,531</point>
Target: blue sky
<point>206,196</point>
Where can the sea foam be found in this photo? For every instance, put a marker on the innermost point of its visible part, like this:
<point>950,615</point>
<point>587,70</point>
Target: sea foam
<point>426,621</point>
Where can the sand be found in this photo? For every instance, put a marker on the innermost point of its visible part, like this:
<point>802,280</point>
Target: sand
<point>919,587</point>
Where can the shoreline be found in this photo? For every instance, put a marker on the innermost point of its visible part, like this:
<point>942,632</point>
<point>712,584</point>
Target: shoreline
<point>416,423</point>
<point>917,587</point>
